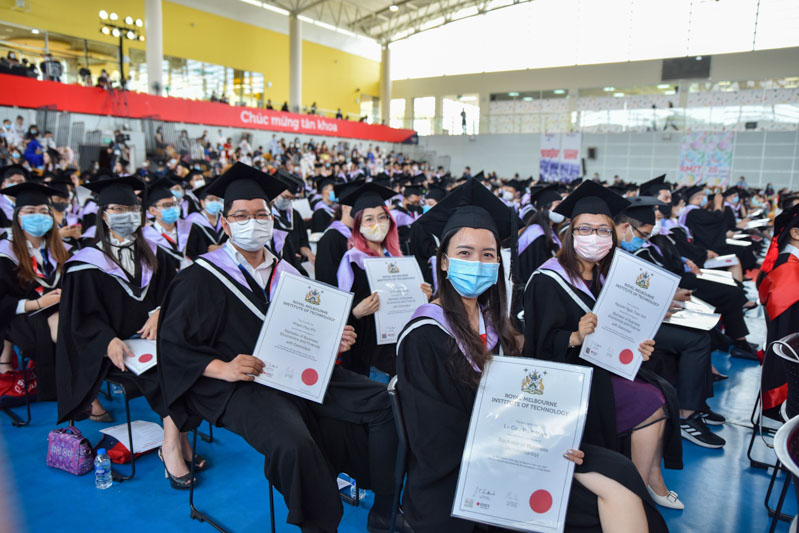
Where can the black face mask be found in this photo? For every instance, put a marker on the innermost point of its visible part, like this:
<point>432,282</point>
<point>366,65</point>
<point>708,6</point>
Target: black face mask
<point>60,206</point>
<point>665,210</point>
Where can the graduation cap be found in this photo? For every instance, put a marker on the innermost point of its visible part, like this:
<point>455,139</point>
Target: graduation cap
<point>343,190</point>
<point>546,195</point>
<point>415,185</point>
<point>480,176</point>
<point>243,182</point>
<point>366,196</point>
<point>62,184</point>
<point>436,193</point>
<point>693,190</point>
<point>158,190</point>
<point>116,190</point>
<point>591,198</point>
<point>471,205</point>
<point>292,182</point>
<point>731,191</point>
<point>381,179</point>
<point>783,224</point>
<point>515,184</point>
<point>324,181</point>
<point>12,170</point>
<point>28,193</point>
<point>654,186</point>
<point>642,209</point>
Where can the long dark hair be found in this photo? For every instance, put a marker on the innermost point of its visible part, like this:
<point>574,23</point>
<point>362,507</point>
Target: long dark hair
<point>141,249</point>
<point>53,242</point>
<point>493,302</point>
<point>567,256</point>
<point>541,218</point>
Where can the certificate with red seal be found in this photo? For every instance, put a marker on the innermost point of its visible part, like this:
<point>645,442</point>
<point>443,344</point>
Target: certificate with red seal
<point>630,309</point>
<point>300,338</point>
<point>143,358</point>
<point>526,414</point>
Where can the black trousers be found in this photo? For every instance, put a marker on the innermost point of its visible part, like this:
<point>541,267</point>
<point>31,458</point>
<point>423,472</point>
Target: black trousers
<point>688,349</point>
<point>307,444</point>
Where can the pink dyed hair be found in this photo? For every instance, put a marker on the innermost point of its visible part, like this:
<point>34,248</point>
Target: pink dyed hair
<point>391,242</point>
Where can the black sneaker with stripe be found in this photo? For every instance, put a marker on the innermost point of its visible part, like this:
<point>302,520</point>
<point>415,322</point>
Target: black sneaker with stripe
<point>695,430</point>
<point>712,419</point>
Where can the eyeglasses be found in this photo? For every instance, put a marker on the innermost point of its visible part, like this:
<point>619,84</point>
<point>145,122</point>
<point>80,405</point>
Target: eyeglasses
<point>585,231</point>
<point>643,235</point>
<point>241,216</point>
<point>167,205</point>
<point>118,209</point>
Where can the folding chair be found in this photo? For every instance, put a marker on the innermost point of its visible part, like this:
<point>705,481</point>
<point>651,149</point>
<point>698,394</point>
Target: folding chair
<point>786,446</point>
<point>16,421</point>
<point>196,514</point>
<point>402,451</point>
<point>130,391</point>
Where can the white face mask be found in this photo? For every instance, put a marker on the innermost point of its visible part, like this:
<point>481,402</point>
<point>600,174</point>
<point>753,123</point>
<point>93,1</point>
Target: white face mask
<point>557,218</point>
<point>507,195</point>
<point>197,184</point>
<point>251,235</point>
<point>655,230</point>
<point>377,232</point>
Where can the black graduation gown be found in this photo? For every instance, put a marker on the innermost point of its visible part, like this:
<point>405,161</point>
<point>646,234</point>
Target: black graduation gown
<point>366,352</point>
<point>329,251</point>
<point>302,441</point>
<point>297,233</point>
<point>201,237</point>
<point>437,406</point>
<point>550,316</point>
<point>194,204</point>
<point>422,245</point>
<point>320,220</point>
<point>709,230</point>
<point>94,309</point>
<point>28,331</point>
<point>687,247</point>
<point>533,257</point>
<point>404,232</point>
<point>730,219</point>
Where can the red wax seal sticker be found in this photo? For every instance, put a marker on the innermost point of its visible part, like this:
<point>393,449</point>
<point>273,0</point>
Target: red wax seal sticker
<point>145,358</point>
<point>626,356</point>
<point>309,376</point>
<point>541,501</point>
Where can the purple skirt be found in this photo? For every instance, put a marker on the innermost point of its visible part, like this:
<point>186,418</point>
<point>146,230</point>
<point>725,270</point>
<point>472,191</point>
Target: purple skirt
<point>635,402</point>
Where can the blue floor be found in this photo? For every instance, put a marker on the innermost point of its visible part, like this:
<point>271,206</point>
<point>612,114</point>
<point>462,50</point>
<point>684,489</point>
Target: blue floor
<point>721,492</point>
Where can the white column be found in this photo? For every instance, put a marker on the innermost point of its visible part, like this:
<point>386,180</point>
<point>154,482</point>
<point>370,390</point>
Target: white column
<point>295,63</point>
<point>385,85</point>
<point>154,39</point>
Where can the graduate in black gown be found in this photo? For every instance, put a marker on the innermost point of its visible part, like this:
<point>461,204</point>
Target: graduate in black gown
<point>10,175</point>
<point>778,287</point>
<point>167,230</point>
<point>334,243</point>
<point>440,356</point>
<point>289,219</point>
<point>112,291</point>
<point>423,245</point>
<point>557,316</point>
<point>194,180</point>
<point>374,234</point>
<point>538,240</point>
<point>31,266</point>
<point>324,210</point>
<point>206,233</point>
<point>64,218</point>
<point>409,209</point>
<point>206,371</point>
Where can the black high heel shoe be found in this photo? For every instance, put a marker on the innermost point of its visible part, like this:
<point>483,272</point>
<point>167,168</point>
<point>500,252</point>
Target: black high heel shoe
<point>179,483</point>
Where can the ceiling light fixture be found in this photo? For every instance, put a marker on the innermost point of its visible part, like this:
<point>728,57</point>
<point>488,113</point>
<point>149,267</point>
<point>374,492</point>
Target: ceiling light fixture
<point>393,8</point>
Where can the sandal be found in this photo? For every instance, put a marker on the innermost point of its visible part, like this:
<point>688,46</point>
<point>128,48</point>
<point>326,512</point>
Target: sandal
<point>200,463</point>
<point>105,416</point>
<point>179,483</point>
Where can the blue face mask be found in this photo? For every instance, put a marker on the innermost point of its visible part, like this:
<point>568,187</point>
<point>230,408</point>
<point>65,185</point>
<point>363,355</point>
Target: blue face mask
<point>213,207</point>
<point>170,215</point>
<point>177,194</point>
<point>332,196</point>
<point>704,202</point>
<point>472,278</point>
<point>36,224</point>
<point>634,245</point>
<point>426,208</point>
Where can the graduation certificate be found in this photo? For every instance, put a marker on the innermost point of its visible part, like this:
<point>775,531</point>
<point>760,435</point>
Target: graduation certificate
<point>630,309</point>
<point>398,282</point>
<point>527,413</point>
<point>300,338</point>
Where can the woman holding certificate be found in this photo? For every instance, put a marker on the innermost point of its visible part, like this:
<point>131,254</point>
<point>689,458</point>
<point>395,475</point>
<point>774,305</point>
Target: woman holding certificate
<point>441,354</point>
<point>374,234</point>
<point>556,300</point>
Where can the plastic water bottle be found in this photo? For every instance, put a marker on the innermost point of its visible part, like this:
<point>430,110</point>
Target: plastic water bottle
<point>355,492</point>
<point>102,470</point>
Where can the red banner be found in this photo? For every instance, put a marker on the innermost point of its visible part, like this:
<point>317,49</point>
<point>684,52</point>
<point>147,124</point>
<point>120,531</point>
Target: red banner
<point>26,92</point>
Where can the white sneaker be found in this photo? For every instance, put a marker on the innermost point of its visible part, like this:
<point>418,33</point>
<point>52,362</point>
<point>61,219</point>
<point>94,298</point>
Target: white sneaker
<point>670,500</point>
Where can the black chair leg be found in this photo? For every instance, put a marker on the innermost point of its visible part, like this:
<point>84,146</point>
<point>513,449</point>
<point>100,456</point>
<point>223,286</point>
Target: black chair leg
<point>115,474</point>
<point>777,513</point>
<point>209,437</point>
<point>272,506</point>
<point>195,513</point>
<point>16,421</point>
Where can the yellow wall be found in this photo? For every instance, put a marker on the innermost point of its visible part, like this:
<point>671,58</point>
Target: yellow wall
<point>330,76</point>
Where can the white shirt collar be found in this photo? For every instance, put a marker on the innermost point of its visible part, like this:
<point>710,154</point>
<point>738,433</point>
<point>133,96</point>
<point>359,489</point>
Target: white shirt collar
<point>35,252</point>
<point>260,273</point>
<point>160,229</point>
<point>791,249</point>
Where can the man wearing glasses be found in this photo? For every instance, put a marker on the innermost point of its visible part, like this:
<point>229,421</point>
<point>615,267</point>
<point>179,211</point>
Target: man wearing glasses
<point>168,231</point>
